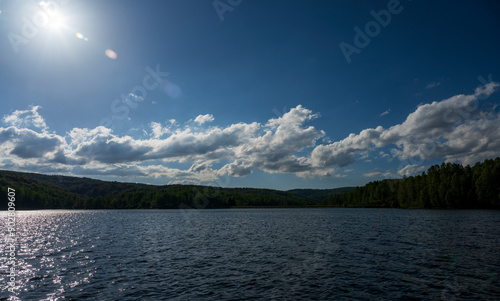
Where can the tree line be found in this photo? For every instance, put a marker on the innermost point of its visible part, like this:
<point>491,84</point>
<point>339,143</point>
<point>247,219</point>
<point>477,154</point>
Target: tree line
<point>37,191</point>
<point>447,186</point>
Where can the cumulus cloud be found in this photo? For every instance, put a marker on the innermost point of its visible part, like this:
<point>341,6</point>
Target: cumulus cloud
<point>272,147</point>
<point>341,153</point>
<point>26,143</point>
<point>120,170</point>
<point>186,145</point>
<point>157,130</point>
<point>454,129</point>
<point>26,119</point>
<point>201,119</point>
<point>274,150</point>
<point>112,149</point>
<point>237,168</point>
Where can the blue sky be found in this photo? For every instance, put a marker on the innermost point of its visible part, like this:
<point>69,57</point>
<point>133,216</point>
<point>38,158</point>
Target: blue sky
<point>272,94</point>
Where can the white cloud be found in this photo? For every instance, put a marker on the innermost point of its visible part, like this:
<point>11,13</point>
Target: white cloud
<point>200,166</point>
<point>135,97</point>
<point>384,155</point>
<point>46,4</point>
<point>341,153</point>
<point>184,182</point>
<point>274,150</point>
<point>385,112</point>
<point>26,143</point>
<point>450,129</point>
<point>26,119</point>
<point>157,130</point>
<point>186,145</point>
<point>432,85</point>
<point>201,119</point>
<point>78,136</point>
<point>377,174</point>
<point>453,129</point>
<point>272,147</point>
<point>410,170</point>
<point>237,169</point>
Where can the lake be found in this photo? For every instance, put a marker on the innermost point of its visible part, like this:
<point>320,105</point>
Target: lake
<point>256,254</point>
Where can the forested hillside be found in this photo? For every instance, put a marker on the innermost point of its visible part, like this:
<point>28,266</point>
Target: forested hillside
<point>320,194</point>
<point>38,191</point>
<point>446,186</point>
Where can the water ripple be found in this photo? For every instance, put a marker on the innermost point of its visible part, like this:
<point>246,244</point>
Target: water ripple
<point>282,254</point>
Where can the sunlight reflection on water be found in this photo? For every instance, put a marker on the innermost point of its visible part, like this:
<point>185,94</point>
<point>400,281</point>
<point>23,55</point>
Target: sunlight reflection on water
<point>263,254</point>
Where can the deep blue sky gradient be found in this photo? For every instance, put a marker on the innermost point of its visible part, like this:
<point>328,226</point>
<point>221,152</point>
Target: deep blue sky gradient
<point>263,59</point>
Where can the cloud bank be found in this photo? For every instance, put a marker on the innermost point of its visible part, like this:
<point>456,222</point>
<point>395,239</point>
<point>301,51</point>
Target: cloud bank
<point>453,129</point>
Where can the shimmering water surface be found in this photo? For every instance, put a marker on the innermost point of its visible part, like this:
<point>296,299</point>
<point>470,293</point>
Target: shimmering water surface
<point>250,254</point>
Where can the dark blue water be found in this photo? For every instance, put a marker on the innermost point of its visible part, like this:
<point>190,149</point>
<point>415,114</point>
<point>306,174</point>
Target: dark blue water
<point>261,254</point>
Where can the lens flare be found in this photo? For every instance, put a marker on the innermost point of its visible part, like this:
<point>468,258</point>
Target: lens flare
<point>81,37</point>
<point>173,90</point>
<point>111,54</point>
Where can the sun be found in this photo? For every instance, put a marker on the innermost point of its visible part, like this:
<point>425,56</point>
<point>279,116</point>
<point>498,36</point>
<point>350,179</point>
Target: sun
<point>56,22</point>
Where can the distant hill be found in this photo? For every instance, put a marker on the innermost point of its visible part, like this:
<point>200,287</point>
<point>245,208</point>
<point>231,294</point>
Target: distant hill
<point>446,186</point>
<point>320,194</point>
<point>39,191</point>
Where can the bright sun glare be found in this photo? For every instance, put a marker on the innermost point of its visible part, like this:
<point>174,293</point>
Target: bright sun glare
<point>56,22</point>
